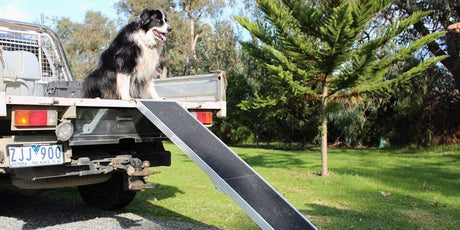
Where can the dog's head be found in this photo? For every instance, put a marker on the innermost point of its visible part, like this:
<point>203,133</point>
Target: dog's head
<point>154,23</point>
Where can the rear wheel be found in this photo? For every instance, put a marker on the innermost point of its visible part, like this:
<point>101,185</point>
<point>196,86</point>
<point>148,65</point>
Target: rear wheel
<point>107,195</point>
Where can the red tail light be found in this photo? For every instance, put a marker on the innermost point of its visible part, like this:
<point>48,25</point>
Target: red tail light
<point>204,117</point>
<point>35,118</point>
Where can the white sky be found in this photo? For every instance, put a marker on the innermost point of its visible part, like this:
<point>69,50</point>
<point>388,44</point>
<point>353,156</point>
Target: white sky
<point>30,10</point>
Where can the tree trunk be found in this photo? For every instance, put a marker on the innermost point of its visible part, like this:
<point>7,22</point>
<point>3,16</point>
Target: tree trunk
<point>164,68</point>
<point>188,63</point>
<point>192,46</point>
<point>164,72</point>
<point>324,170</point>
<point>257,137</point>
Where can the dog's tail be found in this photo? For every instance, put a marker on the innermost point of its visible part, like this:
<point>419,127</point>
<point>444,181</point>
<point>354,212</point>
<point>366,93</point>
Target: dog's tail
<point>90,87</point>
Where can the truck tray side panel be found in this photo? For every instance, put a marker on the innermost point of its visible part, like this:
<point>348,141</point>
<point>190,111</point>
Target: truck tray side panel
<point>227,170</point>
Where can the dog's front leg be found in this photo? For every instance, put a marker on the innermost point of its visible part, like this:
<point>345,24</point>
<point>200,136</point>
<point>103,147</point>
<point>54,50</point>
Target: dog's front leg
<point>123,82</point>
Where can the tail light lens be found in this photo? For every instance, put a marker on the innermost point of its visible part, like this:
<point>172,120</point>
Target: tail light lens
<point>34,118</point>
<point>204,117</point>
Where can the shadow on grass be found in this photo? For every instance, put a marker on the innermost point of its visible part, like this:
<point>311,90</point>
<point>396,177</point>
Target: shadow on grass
<point>275,161</point>
<point>396,211</point>
<point>64,206</point>
<point>414,183</point>
<point>326,217</point>
<point>275,158</point>
<point>427,176</point>
<point>277,146</point>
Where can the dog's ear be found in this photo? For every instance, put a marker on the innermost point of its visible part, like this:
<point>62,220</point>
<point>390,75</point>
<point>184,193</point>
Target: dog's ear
<point>145,17</point>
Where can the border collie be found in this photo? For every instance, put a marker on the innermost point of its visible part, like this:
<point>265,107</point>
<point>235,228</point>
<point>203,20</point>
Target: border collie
<point>127,68</point>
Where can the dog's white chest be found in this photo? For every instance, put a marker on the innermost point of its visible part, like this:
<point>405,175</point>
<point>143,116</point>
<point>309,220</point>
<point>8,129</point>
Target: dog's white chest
<point>147,62</point>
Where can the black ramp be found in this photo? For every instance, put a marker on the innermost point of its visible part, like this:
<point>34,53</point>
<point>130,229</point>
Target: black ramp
<point>227,170</point>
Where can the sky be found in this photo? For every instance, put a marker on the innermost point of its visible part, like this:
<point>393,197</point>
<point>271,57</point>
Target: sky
<point>30,10</point>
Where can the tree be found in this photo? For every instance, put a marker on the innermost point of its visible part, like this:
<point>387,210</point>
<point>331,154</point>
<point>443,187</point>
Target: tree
<point>431,114</point>
<point>443,14</point>
<point>83,43</point>
<point>217,49</point>
<point>195,10</point>
<point>324,52</point>
<point>284,117</point>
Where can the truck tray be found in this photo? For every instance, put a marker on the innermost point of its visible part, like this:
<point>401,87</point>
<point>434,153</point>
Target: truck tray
<point>70,89</point>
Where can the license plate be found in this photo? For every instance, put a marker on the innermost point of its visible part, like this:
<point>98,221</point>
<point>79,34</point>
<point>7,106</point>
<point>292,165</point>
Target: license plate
<point>35,155</point>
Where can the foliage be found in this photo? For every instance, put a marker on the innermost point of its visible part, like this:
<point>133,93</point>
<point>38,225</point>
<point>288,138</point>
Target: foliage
<point>443,14</point>
<point>347,123</point>
<point>322,51</point>
<point>429,114</point>
<point>83,43</point>
<point>217,49</point>
<point>195,10</point>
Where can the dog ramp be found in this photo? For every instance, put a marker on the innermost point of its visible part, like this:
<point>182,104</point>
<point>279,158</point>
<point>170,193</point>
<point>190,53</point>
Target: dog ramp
<point>229,173</point>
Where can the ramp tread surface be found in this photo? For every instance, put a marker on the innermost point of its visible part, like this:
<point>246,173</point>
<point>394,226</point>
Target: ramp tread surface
<point>252,188</point>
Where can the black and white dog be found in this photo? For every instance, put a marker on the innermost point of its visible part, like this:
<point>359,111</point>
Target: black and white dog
<point>127,68</point>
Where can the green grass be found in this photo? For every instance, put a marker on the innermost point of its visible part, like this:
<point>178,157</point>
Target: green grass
<point>367,189</point>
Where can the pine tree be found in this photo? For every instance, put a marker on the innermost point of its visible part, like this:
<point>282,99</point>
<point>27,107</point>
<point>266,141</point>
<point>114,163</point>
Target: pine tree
<point>324,51</point>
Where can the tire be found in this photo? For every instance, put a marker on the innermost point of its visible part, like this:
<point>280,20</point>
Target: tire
<point>108,195</point>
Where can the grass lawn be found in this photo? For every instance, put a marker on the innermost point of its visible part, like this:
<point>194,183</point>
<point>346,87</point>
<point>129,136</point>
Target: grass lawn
<point>367,189</point>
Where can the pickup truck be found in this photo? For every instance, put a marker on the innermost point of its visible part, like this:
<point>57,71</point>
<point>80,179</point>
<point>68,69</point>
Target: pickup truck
<point>51,138</point>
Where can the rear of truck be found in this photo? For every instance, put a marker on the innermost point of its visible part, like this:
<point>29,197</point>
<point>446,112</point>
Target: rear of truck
<point>51,138</point>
